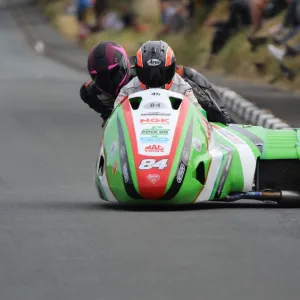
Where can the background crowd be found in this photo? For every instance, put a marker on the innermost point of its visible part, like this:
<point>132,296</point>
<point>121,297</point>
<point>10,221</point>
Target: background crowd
<point>247,16</point>
<point>253,15</point>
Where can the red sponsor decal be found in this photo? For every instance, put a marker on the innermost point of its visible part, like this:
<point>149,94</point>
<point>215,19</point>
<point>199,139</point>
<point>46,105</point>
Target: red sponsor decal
<point>154,148</point>
<point>153,178</point>
<point>154,121</point>
<point>115,167</point>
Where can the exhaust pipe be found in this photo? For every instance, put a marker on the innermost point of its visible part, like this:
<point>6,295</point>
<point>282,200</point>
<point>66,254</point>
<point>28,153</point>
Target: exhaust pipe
<point>281,197</point>
<point>289,198</point>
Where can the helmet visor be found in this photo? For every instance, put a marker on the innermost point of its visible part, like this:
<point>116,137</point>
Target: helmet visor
<point>110,81</point>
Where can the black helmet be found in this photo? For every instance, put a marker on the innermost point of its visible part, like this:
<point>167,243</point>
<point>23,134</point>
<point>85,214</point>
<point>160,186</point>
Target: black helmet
<point>156,64</point>
<point>108,65</point>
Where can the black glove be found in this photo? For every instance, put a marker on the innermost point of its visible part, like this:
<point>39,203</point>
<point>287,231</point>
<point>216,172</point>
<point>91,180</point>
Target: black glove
<point>88,94</point>
<point>226,116</point>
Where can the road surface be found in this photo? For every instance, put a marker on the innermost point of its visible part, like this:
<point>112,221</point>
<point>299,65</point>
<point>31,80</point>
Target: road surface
<point>57,241</point>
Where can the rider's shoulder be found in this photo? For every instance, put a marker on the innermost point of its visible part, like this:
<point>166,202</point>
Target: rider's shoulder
<point>131,86</point>
<point>196,77</point>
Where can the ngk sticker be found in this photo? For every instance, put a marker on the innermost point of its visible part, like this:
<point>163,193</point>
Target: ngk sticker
<point>154,148</point>
<point>154,121</point>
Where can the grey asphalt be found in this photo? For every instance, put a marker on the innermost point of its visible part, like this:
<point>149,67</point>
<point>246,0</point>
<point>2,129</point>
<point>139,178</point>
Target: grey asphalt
<point>57,241</point>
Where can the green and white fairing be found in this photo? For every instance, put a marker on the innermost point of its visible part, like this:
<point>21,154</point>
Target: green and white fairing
<point>158,147</point>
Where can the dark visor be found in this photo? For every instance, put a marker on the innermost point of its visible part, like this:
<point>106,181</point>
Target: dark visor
<point>109,80</point>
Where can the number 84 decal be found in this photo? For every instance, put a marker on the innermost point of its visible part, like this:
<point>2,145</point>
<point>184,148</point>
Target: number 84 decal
<point>148,164</point>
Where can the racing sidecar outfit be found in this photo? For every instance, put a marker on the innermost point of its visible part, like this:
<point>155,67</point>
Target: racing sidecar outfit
<point>205,93</point>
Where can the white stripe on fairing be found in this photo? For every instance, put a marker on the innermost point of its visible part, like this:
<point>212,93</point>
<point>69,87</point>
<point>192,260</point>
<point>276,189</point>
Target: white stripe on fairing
<point>216,156</point>
<point>103,179</point>
<point>247,158</point>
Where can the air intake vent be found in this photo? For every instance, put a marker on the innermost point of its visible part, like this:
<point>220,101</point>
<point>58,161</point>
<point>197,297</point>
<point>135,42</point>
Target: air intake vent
<point>175,102</point>
<point>200,173</point>
<point>135,102</point>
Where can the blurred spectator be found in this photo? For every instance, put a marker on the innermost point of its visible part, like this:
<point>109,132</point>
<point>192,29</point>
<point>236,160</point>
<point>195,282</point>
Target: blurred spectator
<point>117,21</point>
<point>238,17</point>
<point>275,31</point>
<point>281,33</point>
<point>191,8</point>
<point>288,29</point>
<point>172,18</point>
<point>100,7</point>
<point>82,7</point>
<point>264,9</point>
<point>291,24</point>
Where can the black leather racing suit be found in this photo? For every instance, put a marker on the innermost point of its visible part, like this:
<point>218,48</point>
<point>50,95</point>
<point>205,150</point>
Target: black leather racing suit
<point>206,95</point>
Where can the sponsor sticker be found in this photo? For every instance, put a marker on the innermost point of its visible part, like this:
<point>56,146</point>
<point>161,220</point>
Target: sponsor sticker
<point>148,164</point>
<point>115,168</point>
<point>186,155</point>
<point>113,148</point>
<point>156,113</point>
<point>155,130</point>
<point>207,128</point>
<point>154,139</point>
<point>122,152</point>
<point>154,121</point>
<point>153,62</point>
<point>154,148</point>
<point>197,145</point>
<point>232,137</point>
<point>125,173</point>
<point>153,178</point>
<point>180,173</point>
<point>156,105</point>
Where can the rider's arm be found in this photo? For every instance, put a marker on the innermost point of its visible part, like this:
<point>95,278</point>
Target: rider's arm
<point>198,79</point>
<point>89,95</point>
<point>206,94</point>
<point>188,92</point>
<point>190,95</point>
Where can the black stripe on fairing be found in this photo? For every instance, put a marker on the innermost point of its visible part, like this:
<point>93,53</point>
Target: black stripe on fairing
<point>127,180</point>
<point>225,170</point>
<point>257,141</point>
<point>182,166</point>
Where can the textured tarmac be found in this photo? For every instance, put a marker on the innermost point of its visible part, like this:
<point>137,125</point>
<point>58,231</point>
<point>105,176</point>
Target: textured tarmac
<point>57,241</point>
